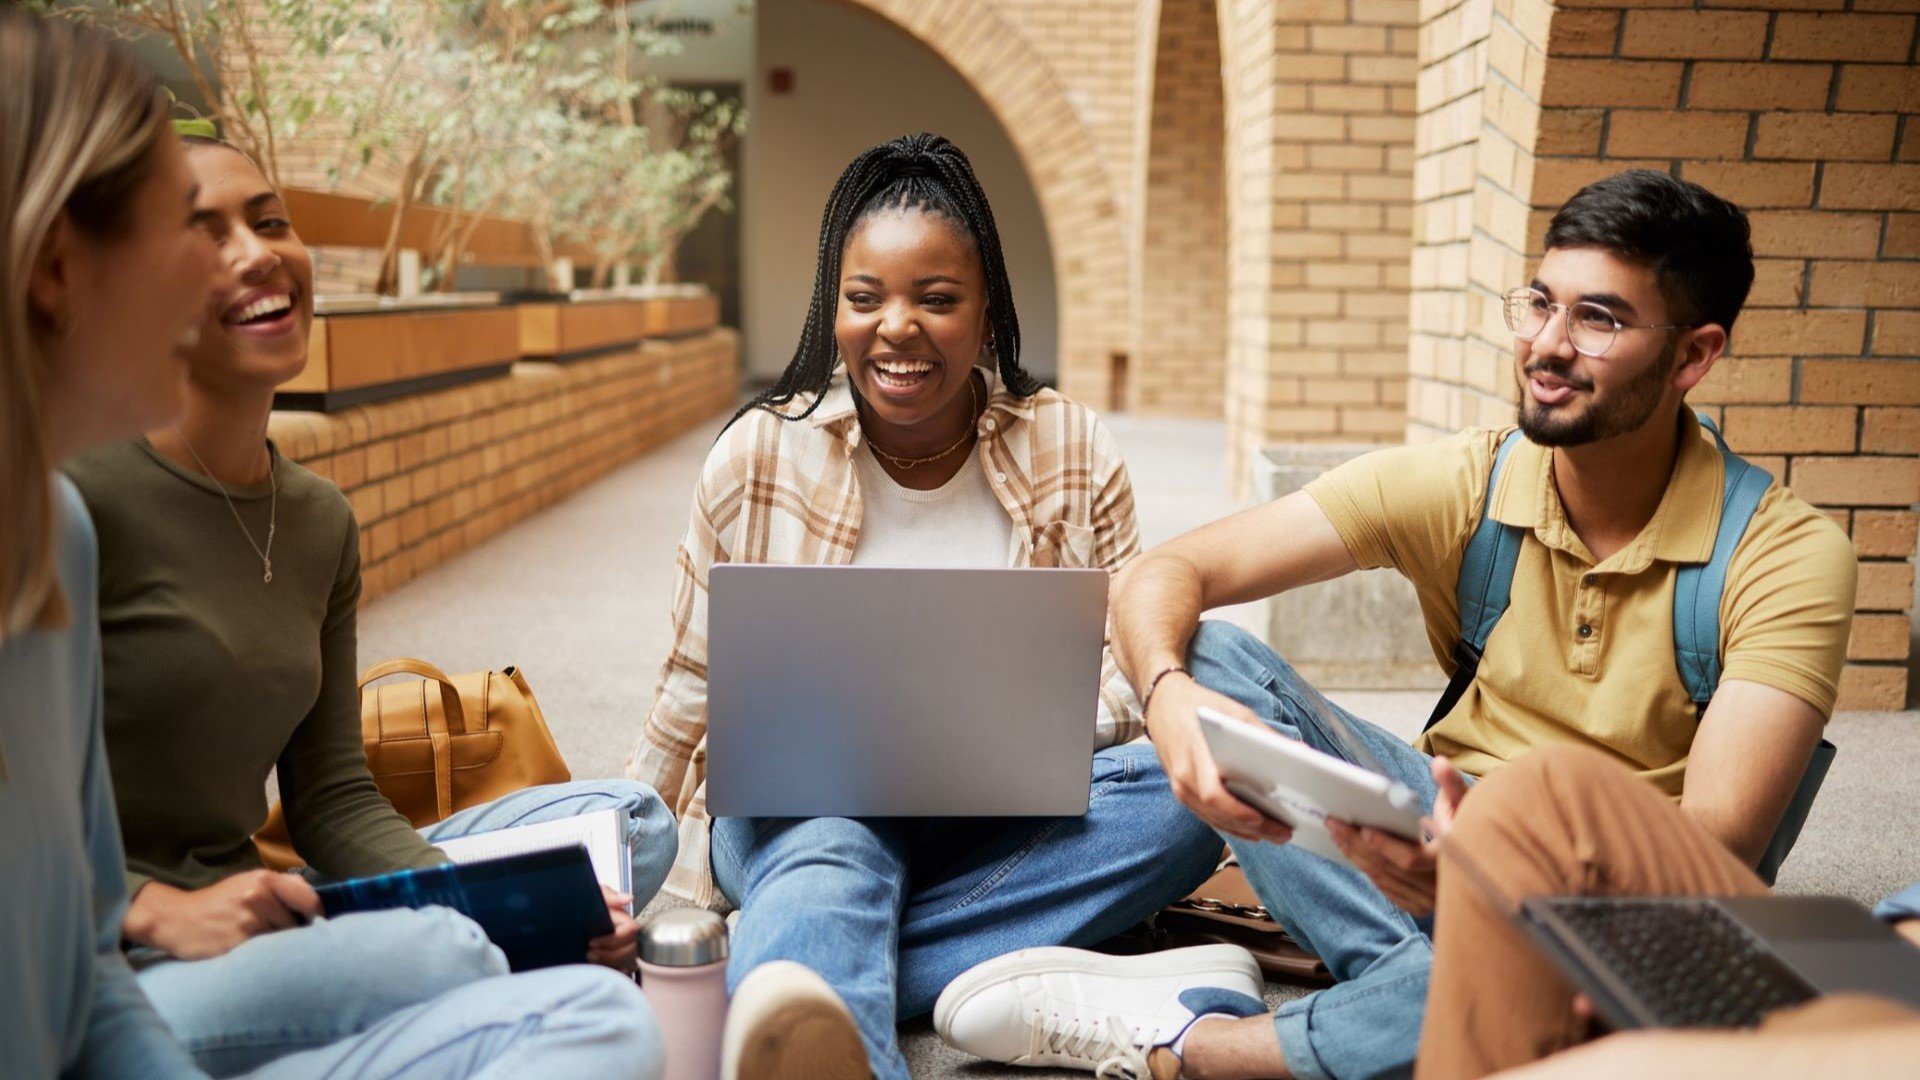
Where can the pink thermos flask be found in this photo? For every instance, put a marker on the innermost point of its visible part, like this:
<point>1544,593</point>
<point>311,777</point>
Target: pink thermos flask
<point>683,972</point>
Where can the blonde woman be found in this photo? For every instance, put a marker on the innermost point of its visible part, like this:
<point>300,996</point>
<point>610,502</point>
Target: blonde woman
<point>229,579</point>
<point>104,281</point>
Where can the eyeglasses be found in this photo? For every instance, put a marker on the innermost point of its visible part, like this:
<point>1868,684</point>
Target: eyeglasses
<point>1590,327</point>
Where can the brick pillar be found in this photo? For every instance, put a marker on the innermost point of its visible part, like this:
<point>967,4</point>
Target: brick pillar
<point>1179,340</point>
<point>1320,132</point>
<point>1474,143</point>
<point>1807,119</point>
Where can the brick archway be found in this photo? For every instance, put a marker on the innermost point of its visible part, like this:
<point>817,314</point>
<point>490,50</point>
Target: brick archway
<point>1179,329</point>
<point>1078,196</point>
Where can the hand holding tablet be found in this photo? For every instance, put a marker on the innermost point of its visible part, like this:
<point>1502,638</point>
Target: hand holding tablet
<point>1301,787</point>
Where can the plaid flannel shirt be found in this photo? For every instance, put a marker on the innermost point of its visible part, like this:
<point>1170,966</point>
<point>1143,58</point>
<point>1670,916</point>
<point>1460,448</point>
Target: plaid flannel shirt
<point>780,491</point>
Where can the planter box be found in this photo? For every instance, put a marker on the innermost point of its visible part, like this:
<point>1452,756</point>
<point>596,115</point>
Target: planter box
<point>334,219</point>
<point>355,358</point>
<point>679,315</point>
<point>432,475</point>
<point>574,331</point>
<point>1360,632</point>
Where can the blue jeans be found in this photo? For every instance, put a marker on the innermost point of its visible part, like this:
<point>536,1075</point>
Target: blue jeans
<point>306,988</point>
<point>1368,1023</point>
<point>652,833</point>
<point>564,1021</point>
<point>890,910</point>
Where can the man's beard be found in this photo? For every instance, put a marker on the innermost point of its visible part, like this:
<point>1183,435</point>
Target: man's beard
<point>1630,407</point>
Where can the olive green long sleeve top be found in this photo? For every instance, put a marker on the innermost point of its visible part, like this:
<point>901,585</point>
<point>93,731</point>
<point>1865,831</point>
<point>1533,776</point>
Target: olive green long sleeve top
<point>214,676</point>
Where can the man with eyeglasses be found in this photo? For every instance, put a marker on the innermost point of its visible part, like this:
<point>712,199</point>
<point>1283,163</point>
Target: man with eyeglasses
<point>1612,487</point>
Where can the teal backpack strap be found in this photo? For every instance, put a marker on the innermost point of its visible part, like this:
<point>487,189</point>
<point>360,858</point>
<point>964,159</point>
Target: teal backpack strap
<point>1697,586</point>
<point>1484,588</point>
<point>1696,635</point>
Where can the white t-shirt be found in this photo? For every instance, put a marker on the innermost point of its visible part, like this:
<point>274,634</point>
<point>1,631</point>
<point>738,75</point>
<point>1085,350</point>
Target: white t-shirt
<point>958,524</point>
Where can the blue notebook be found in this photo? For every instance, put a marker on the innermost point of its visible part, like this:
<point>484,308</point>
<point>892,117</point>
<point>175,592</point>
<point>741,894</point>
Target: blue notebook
<point>541,908</point>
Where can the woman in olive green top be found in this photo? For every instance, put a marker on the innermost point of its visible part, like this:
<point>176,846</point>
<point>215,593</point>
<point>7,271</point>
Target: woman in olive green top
<point>229,578</point>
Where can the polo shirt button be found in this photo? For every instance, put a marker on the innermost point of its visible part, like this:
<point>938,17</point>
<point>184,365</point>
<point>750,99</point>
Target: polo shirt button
<point>1590,579</point>
<point>1586,630</point>
<point>1001,477</point>
<point>989,424</point>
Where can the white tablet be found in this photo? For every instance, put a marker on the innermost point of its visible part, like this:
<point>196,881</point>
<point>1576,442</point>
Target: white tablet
<point>1296,785</point>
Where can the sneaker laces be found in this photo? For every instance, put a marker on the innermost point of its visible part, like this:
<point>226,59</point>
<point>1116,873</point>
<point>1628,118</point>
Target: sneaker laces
<point>1116,1051</point>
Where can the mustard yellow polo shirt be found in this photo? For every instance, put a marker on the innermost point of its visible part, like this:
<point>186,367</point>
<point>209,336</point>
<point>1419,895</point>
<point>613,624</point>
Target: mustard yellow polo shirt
<point>1584,653</point>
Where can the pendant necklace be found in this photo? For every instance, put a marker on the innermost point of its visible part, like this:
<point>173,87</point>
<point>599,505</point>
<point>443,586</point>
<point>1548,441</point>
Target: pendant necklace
<point>273,508</point>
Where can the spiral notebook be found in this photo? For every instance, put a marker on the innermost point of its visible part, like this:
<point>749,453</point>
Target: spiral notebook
<point>603,833</point>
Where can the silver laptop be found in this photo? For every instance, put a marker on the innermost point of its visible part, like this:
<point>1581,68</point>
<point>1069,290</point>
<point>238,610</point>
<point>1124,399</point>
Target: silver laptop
<point>846,691</point>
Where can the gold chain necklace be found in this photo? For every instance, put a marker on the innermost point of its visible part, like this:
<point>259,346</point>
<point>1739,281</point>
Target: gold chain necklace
<point>905,463</point>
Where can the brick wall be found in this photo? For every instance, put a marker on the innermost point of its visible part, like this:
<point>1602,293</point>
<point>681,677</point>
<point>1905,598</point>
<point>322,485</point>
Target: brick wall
<point>1177,353</point>
<point>1091,48</point>
<point>1320,133</point>
<point>341,271</point>
<point>432,475</point>
<point>1804,114</point>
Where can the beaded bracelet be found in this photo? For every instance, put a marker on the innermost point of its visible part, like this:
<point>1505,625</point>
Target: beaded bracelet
<point>1146,701</point>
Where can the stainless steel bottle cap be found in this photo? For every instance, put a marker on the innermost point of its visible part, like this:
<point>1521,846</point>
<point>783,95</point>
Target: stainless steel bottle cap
<point>684,937</point>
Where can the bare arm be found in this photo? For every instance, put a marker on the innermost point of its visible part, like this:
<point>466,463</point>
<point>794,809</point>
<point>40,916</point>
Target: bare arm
<point>1157,602</point>
<point>1253,554</point>
<point>1748,756</point>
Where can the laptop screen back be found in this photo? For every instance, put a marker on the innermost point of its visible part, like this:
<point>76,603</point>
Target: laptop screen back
<point>877,691</point>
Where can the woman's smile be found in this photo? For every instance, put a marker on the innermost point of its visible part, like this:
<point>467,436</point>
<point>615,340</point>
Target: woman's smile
<point>901,377</point>
<point>268,312</point>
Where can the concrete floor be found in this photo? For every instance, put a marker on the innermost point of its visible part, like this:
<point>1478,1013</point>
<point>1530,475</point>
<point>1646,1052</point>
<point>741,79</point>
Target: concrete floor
<point>577,597</point>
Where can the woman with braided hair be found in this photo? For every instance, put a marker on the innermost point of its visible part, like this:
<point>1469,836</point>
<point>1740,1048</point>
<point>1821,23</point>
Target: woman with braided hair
<point>906,433</point>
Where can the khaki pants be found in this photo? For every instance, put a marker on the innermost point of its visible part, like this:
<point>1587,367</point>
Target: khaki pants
<point>1568,821</point>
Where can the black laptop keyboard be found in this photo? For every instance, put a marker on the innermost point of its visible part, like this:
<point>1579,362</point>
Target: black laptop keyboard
<point>1687,961</point>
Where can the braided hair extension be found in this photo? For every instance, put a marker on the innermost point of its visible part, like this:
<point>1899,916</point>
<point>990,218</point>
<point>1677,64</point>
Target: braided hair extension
<point>914,172</point>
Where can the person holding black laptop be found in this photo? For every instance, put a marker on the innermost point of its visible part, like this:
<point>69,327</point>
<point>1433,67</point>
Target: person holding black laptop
<point>1567,821</point>
<point>1585,526</point>
<point>905,432</point>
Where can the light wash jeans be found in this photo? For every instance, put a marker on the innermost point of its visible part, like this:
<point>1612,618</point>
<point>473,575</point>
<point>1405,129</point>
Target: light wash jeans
<point>1368,1023</point>
<point>890,910</point>
<point>305,988</point>
<point>564,1021</point>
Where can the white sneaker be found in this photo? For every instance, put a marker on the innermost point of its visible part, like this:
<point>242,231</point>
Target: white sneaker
<point>1087,1010</point>
<point>785,1021</point>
